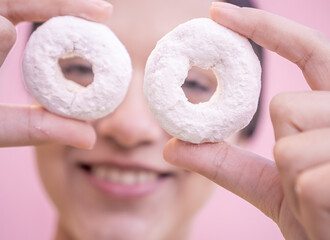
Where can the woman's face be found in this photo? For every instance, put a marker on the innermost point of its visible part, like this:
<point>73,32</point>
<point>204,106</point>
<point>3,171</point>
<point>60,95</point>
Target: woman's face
<point>122,188</point>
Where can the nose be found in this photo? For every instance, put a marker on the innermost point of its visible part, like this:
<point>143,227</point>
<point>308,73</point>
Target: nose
<point>132,123</point>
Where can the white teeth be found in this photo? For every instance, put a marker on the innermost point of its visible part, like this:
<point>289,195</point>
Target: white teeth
<point>129,178</point>
<point>113,175</point>
<point>99,172</point>
<point>152,177</point>
<point>143,177</point>
<point>147,177</point>
<point>125,177</point>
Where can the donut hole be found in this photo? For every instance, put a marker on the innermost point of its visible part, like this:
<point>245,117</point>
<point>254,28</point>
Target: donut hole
<point>199,85</point>
<point>77,69</point>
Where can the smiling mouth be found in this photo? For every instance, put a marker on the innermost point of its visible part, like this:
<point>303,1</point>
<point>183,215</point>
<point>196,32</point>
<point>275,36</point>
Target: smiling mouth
<point>123,176</point>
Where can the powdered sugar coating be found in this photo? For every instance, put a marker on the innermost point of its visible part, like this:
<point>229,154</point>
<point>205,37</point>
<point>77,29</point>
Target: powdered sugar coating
<point>205,44</point>
<point>63,36</point>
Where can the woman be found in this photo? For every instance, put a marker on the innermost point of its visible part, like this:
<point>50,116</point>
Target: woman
<point>128,143</point>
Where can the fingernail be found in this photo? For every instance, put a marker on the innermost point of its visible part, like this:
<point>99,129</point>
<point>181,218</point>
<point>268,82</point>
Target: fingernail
<point>90,147</point>
<point>224,5</point>
<point>102,3</point>
<point>86,146</point>
<point>87,138</point>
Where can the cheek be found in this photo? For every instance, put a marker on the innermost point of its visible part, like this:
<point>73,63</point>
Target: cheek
<point>196,190</point>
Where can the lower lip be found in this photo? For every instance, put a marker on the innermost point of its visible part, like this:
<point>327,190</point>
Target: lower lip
<point>125,191</point>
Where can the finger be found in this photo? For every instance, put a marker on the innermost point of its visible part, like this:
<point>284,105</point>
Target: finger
<point>314,198</point>
<point>249,176</point>
<point>301,45</point>
<point>298,153</point>
<point>39,11</point>
<point>31,125</point>
<point>292,113</point>
<point>7,38</point>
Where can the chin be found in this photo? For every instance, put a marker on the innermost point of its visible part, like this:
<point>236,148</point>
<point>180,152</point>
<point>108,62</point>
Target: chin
<point>116,227</point>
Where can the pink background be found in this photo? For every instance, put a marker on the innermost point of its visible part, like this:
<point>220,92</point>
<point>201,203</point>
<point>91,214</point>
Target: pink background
<point>25,212</point>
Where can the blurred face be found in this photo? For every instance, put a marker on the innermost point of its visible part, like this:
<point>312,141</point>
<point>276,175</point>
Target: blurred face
<point>123,189</point>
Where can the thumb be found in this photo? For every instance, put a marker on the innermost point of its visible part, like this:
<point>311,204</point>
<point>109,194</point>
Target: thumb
<point>247,175</point>
<point>7,38</point>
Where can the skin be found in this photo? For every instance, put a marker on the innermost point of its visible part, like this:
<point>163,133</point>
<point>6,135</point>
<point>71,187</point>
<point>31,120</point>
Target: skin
<point>293,193</point>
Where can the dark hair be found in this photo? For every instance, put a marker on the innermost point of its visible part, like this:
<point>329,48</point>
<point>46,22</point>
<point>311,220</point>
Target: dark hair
<point>250,128</point>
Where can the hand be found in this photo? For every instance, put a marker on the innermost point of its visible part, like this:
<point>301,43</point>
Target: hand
<point>293,191</point>
<point>33,124</point>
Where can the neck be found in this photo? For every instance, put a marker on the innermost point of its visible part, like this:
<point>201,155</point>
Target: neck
<point>61,234</point>
<point>181,234</point>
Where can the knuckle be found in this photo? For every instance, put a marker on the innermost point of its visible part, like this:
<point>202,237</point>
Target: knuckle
<point>280,107</point>
<point>220,157</point>
<point>320,35</point>
<point>279,153</point>
<point>35,124</point>
<point>283,154</point>
<point>303,188</point>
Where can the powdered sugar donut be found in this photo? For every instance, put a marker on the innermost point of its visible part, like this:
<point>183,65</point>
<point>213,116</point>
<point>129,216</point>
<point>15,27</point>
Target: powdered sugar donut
<point>70,36</point>
<point>205,44</point>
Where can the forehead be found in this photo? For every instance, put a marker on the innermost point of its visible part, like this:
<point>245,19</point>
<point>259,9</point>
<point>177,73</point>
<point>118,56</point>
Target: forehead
<point>139,24</point>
